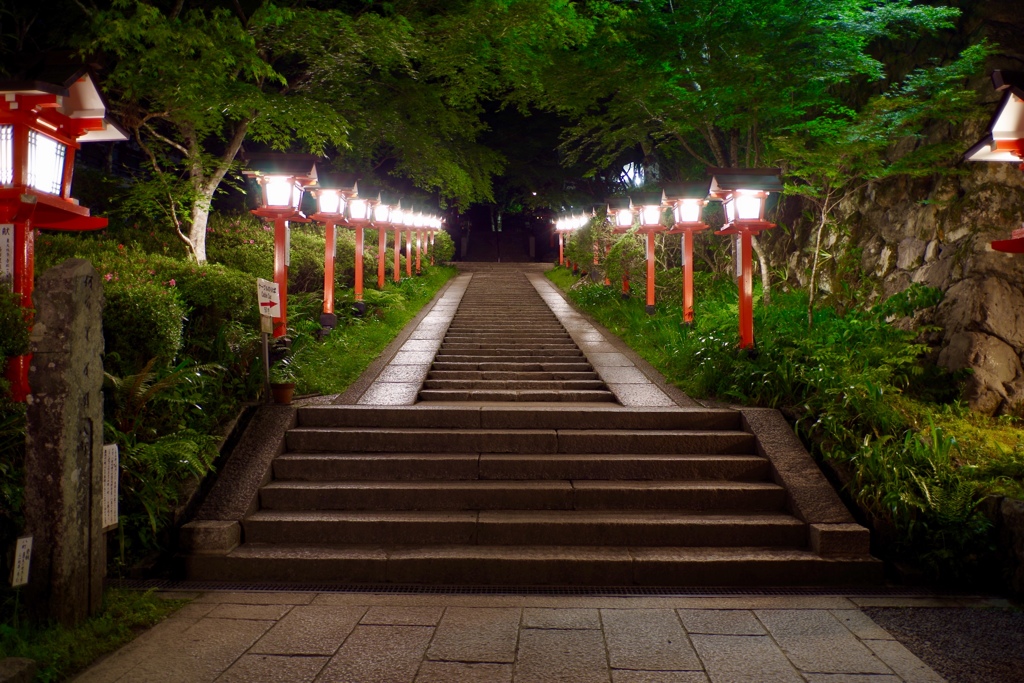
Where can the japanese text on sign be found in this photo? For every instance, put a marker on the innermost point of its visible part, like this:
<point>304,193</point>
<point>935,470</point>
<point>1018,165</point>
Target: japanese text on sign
<point>269,298</point>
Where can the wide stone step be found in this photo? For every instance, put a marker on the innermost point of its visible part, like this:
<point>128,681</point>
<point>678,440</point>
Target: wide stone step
<point>553,353</point>
<point>536,365</point>
<point>475,565</point>
<point>514,527</point>
<point>444,466</point>
<point>486,417</point>
<point>514,384</point>
<point>512,357</point>
<point>507,344</point>
<point>522,495</point>
<point>475,374</point>
<point>406,440</point>
<point>517,396</point>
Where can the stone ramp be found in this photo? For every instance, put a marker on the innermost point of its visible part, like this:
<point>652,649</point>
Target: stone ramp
<point>505,344</point>
<point>489,479</point>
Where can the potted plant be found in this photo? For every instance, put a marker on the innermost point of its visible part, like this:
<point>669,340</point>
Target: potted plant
<point>282,380</point>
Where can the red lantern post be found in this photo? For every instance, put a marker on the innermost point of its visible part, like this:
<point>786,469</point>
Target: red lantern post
<point>620,215</point>
<point>649,209</point>
<point>687,202</point>
<point>1005,141</point>
<point>331,198</point>
<point>744,193</point>
<point>41,127</point>
<point>282,178</point>
<point>383,216</point>
<point>359,213</point>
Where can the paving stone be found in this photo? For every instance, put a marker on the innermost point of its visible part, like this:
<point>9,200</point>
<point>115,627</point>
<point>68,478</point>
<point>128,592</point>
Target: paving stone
<point>627,676</point>
<point>623,375</point>
<point>403,616</point>
<point>902,661</point>
<point>721,622</point>
<point>852,678</point>
<point>194,611</point>
<point>257,598</point>
<point>815,641</point>
<point>476,635</point>
<point>647,640</point>
<point>273,668</point>
<point>390,394</point>
<point>412,358</point>
<point>861,624</point>
<point>561,618</point>
<point>266,612</point>
<point>607,360</point>
<point>553,656</point>
<point>200,653</point>
<point>640,395</point>
<point>463,672</point>
<point>744,659</point>
<point>153,643</point>
<point>310,630</point>
<point>404,373</point>
<point>379,654</point>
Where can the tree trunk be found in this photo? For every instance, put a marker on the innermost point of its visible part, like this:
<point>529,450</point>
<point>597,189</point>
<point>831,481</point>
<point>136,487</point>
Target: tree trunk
<point>206,187</point>
<point>812,286</point>
<point>197,231</point>
<point>766,286</point>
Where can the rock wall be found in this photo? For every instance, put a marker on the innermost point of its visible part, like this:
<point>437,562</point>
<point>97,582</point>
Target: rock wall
<point>937,232</point>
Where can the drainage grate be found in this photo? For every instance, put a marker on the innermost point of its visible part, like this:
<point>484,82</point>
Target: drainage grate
<point>589,591</point>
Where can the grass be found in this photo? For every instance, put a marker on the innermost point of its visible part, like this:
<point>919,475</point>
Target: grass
<point>859,392</point>
<point>61,652</point>
<point>331,366</point>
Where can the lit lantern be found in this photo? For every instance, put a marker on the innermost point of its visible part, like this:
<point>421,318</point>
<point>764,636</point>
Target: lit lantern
<point>361,210</point>
<point>397,221</point>
<point>744,193</point>
<point>383,215</point>
<point>282,179</point>
<point>621,217</point>
<point>687,202</point>
<point>1005,142</point>
<point>649,209</point>
<point>332,194</point>
<point>42,125</point>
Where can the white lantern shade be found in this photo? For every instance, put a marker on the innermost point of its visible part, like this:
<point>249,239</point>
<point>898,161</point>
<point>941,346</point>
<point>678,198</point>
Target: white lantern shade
<point>397,215</point>
<point>45,162</point>
<point>330,202</point>
<point>382,213</point>
<point>6,155</point>
<point>687,210</point>
<point>409,219</point>
<point>745,205</point>
<point>281,192</point>
<point>650,216</point>
<point>624,218</point>
<point>359,210</point>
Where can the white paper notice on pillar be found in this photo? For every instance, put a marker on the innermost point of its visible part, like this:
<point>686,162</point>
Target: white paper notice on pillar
<point>682,259</point>
<point>111,478</point>
<point>288,244</point>
<point>6,251</point>
<point>334,240</point>
<point>22,560</point>
<point>739,256</point>
<point>268,297</point>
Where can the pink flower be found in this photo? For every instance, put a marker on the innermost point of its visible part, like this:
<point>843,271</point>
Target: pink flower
<point>120,247</point>
<point>171,282</point>
<point>108,277</point>
<point>252,241</point>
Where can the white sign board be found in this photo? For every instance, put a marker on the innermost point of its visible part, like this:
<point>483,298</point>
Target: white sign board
<point>268,297</point>
<point>111,477</point>
<point>739,256</point>
<point>22,559</point>
<point>6,251</point>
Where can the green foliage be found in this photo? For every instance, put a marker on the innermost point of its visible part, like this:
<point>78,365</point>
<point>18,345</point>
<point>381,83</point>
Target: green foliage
<point>60,653</point>
<point>141,321</point>
<point>14,341</point>
<point>854,388</point>
<point>335,363</point>
<point>444,247</point>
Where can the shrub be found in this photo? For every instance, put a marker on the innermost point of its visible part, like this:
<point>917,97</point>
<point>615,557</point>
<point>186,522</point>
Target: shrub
<point>444,247</point>
<point>141,321</point>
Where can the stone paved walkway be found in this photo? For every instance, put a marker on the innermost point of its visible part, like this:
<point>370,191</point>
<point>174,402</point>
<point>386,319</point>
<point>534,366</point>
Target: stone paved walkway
<point>437,638</point>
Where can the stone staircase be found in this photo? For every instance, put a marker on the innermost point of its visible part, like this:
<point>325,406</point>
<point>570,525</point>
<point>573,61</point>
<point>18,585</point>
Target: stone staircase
<point>505,344</point>
<point>506,495</point>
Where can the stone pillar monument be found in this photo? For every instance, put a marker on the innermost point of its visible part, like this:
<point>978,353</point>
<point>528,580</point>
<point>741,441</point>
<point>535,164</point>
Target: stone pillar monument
<point>64,451</point>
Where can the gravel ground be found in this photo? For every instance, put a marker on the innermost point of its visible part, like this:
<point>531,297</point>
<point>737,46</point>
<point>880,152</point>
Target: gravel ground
<point>965,645</point>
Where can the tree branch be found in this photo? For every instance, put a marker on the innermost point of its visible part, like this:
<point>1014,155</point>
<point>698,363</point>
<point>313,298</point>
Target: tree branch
<point>164,139</point>
<point>686,145</point>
